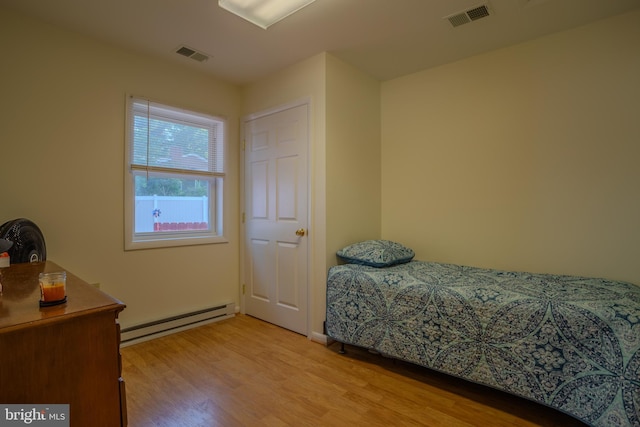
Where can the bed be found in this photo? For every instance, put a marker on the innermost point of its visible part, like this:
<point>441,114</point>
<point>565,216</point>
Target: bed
<point>571,343</point>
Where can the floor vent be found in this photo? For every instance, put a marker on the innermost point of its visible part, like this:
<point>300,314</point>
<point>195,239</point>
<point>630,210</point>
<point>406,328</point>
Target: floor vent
<point>192,53</point>
<point>170,325</point>
<point>468,16</point>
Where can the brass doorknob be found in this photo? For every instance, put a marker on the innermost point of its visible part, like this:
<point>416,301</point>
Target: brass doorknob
<point>300,232</point>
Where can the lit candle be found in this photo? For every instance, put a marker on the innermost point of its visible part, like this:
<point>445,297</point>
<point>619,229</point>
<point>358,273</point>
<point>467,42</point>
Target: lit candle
<point>53,286</point>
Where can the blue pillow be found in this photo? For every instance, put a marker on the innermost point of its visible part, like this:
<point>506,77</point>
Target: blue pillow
<point>376,253</point>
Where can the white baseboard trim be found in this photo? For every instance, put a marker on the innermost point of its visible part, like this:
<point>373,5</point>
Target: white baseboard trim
<point>319,338</point>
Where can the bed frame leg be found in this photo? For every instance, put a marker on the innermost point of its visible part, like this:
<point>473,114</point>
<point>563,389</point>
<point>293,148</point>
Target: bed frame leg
<point>342,350</point>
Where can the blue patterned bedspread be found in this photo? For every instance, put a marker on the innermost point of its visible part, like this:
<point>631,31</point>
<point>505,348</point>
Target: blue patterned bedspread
<point>571,343</point>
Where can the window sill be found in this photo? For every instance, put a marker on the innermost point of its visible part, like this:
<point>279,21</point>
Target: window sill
<point>172,241</point>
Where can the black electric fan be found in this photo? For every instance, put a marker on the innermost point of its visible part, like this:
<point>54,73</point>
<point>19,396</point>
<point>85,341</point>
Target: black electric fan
<point>28,241</point>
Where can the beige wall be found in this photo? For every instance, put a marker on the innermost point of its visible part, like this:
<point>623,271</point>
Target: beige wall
<point>62,113</point>
<point>353,157</point>
<point>304,81</point>
<point>353,169</point>
<point>345,157</point>
<point>523,158</point>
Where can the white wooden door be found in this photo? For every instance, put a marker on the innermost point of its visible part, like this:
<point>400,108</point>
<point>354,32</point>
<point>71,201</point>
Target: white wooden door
<point>276,235</point>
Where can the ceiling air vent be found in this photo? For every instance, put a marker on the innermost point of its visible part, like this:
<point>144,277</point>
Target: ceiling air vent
<point>192,53</point>
<point>467,16</point>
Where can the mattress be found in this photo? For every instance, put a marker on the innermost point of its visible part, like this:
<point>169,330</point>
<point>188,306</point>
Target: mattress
<point>571,343</point>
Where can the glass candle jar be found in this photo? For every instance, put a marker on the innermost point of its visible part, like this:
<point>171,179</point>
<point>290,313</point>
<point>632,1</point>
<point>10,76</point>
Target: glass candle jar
<point>53,288</point>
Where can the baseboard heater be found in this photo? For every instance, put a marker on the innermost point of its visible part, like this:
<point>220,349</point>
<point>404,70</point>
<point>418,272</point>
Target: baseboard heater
<point>170,325</point>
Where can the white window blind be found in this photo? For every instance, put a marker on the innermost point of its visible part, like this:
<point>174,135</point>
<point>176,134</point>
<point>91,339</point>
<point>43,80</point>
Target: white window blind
<point>168,139</point>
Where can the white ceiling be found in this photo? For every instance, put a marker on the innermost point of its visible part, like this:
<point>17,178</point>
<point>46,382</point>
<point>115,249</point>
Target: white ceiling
<point>385,38</point>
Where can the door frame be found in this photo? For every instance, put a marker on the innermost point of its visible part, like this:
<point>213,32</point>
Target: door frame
<point>310,237</point>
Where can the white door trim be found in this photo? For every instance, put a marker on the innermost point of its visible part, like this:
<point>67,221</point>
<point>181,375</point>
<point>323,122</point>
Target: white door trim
<point>310,231</point>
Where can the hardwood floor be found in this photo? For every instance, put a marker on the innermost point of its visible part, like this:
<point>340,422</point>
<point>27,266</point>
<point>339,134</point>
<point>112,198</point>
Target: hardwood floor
<point>245,372</point>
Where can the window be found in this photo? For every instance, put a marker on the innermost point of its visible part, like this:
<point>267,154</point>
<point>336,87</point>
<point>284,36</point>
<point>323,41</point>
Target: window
<point>174,176</point>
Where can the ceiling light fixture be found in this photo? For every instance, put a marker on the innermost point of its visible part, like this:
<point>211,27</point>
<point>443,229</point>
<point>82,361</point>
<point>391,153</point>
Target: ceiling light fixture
<point>263,13</point>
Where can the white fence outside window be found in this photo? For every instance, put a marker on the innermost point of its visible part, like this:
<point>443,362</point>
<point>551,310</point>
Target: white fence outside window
<point>172,210</point>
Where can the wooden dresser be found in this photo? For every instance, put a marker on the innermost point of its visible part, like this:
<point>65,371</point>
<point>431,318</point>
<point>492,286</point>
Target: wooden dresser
<point>63,354</point>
